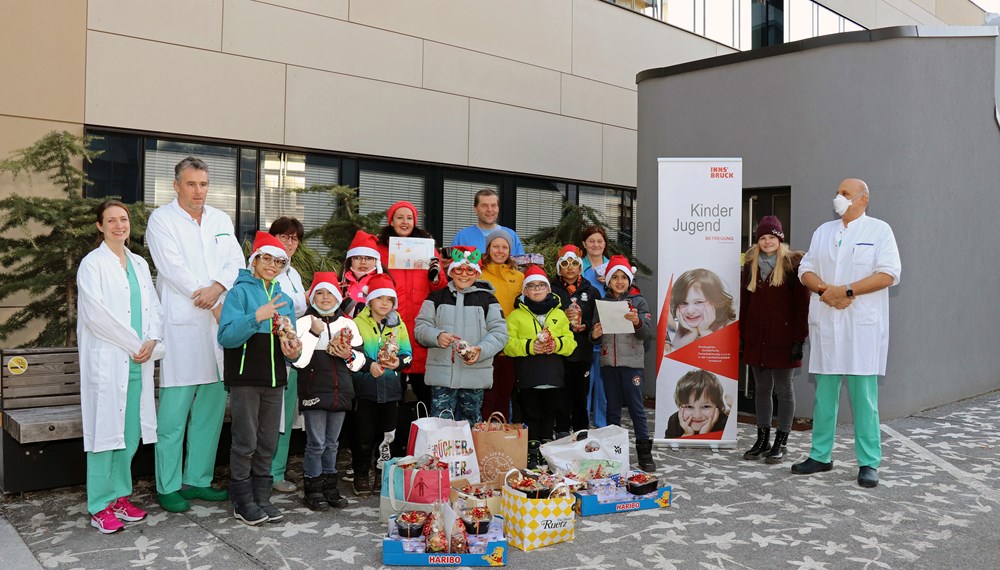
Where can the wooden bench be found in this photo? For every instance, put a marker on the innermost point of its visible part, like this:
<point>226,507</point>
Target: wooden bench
<point>41,443</point>
<point>40,394</point>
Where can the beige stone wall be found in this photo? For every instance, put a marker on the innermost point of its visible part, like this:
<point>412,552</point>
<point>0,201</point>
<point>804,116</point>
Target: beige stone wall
<point>42,90</point>
<point>886,13</point>
<point>544,88</point>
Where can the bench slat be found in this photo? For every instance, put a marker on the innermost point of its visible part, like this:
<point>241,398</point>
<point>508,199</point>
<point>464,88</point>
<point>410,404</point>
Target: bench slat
<point>38,401</point>
<point>18,392</point>
<point>44,424</point>
<point>20,381</point>
<point>45,369</point>
<point>58,357</point>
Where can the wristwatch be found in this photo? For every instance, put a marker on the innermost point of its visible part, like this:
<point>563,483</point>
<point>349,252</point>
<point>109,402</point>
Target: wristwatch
<point>850,291</point>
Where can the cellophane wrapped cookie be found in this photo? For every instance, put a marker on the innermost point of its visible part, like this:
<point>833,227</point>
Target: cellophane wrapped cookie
<point>282,327</point>
<point>464,350</point>
<point>388,349</point>
<point>342,337</point>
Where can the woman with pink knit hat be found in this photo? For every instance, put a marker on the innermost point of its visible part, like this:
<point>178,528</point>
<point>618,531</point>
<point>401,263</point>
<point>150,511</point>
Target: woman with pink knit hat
<point>412,286</point>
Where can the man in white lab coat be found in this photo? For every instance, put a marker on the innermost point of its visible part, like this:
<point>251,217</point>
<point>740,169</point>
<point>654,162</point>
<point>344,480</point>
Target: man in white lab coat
<point>197,258</point>
<point>849,267</point>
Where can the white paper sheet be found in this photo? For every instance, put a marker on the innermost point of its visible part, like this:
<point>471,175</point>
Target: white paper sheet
<point>612,315</point>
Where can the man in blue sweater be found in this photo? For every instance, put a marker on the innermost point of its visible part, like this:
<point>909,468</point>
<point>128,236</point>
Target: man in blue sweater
<point>487,207</point>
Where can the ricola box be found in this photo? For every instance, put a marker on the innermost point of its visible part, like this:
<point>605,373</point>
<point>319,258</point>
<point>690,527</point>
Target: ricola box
<point>635,492</point>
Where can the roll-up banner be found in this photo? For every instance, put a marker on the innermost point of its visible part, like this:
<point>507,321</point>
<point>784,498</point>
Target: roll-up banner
<point>698,272</point>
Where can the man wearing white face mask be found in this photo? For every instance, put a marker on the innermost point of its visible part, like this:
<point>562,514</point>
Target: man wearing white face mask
<point>849,267</point>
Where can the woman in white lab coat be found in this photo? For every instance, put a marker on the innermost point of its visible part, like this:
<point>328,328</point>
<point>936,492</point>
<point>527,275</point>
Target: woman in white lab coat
<point>119,333</point>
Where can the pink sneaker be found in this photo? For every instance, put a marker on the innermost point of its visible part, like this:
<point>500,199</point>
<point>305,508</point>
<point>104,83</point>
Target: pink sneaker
<point>106,522</point>
<point>126,511</point>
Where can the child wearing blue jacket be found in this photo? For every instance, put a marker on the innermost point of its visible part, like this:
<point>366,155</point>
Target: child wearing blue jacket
<point>257,334</point>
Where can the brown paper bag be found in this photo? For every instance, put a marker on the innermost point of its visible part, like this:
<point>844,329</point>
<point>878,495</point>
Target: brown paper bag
<point>500,447</point>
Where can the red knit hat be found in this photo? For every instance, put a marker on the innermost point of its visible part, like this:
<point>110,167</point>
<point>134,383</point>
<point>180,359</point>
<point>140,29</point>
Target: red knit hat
<point>326,280</point>
<point>532,274</point>
<point>381,285</point>
<point>568,251</point>
<point>266,243</point>
<point>619,263</point>
<point>402,204</point>
<point>770,225</point>
<point>365,244</point>
<point>465,255</point>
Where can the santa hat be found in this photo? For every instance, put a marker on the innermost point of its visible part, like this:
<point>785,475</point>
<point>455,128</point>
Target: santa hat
<point>402,204</point>
<point>465,255</point>
<point>532,274</point>
<point>770,225</point>
<point>326,280</point>
<point>365,244</point>
<point>266,243</point>
<point>569,251</point>
<point>381,285</point>
<point>619,263</point>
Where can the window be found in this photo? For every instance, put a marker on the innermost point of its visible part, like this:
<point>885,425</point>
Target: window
<point>118,169</point>
<point>537,208</point>
<point>616,208</point>
<point>163,155</point>
<point>380,189</point>
<point>282,174</point>
<point>458,198</point>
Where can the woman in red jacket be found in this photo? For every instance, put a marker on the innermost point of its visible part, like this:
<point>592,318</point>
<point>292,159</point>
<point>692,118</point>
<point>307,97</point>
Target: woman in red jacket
<point>774,308</point>
<point>412,286</point>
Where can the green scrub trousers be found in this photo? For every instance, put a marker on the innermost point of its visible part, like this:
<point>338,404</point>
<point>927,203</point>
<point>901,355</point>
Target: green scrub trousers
<point>280,460</point>
<point>109,473</point>
<point>864,402</point>
<point>199,411</point>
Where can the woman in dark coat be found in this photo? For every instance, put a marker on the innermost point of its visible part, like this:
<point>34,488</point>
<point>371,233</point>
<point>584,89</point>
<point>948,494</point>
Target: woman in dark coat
<point>774,309</point>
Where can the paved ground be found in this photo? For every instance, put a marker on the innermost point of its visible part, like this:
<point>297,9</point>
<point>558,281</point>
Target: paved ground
<point>936,507</point>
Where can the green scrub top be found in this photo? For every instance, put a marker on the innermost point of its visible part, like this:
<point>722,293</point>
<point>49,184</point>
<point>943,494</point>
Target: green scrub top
<point>135,310</point>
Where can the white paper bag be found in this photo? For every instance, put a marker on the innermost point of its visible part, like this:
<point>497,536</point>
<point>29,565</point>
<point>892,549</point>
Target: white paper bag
<point>448,440</point>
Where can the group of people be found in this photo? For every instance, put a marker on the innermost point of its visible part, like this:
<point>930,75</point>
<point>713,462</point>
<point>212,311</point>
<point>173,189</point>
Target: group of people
<point>469,335</point>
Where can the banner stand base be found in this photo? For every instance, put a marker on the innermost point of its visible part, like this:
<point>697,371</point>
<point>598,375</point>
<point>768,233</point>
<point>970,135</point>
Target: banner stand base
<point>714,445</point>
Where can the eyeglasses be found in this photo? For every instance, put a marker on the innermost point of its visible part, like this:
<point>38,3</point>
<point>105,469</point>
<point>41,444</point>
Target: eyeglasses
<point>535,286</point>
<point>465,269</point>
<point>569,262</point>
<point>290,238</point>
<point>272,261</point>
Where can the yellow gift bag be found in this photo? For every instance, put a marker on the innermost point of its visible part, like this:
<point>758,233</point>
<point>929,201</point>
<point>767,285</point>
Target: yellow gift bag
<point>534,523</point>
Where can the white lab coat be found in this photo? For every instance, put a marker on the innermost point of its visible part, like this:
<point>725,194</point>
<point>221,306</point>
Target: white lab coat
<point>854,340</point>
<point>107,343</point>
<point>189,256</point>
<point>292,289</point>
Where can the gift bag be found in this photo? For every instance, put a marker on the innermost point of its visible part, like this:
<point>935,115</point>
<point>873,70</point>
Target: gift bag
<point>534,523</point>
<point>609,443</point>
<point>411,489</point>
<point>500,447</point>
<point>450,441</point>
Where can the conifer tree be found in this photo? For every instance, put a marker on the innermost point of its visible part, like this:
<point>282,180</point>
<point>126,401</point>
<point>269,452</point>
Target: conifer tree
<point>45,238</point>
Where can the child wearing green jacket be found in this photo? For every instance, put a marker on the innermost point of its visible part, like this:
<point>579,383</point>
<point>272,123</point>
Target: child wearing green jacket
<point>540,339</point>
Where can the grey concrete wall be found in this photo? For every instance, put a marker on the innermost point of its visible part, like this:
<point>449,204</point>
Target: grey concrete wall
<point>914,117</point>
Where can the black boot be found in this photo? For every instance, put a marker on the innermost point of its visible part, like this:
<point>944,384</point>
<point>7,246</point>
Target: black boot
<point>534,453</point>
<point>314,497</point>
<point>331,492</point>
<point>362,484</point>
<point>762,445</point>
<point>244,508</point>
<point>644,451</point>
<point>778,450</point>
<point>262,487</point>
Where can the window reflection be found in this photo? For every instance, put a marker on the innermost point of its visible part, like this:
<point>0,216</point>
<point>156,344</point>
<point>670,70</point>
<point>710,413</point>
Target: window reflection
<point>745,24</point>
<point>282,177</point>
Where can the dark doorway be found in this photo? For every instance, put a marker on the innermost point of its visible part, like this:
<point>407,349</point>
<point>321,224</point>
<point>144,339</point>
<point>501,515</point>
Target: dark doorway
<point>757,203</point>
